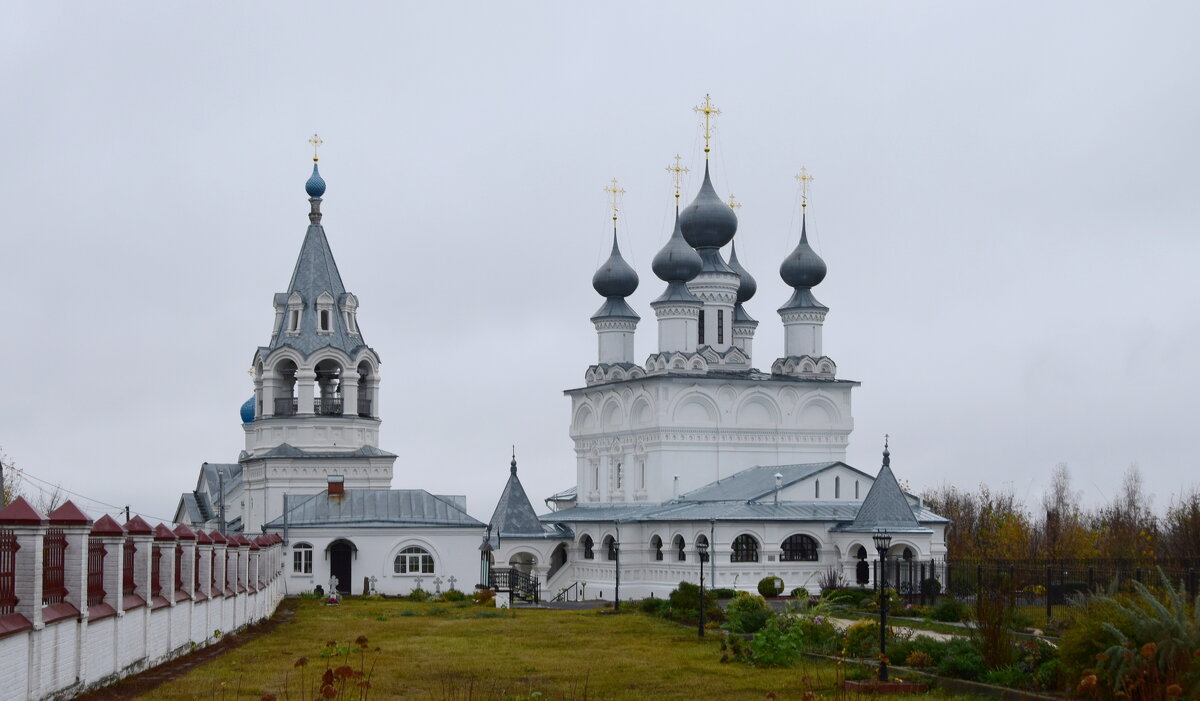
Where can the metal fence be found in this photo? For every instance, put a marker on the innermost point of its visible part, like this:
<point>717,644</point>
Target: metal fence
<point>8,570</point>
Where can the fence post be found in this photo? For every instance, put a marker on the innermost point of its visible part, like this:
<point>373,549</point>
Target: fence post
<point>28,525</point>
<point>75,526</point>
<point>110,534</point>
<point>1091,580</point>
<point>186,552</point>
<point>1049,600</point>
<point>921,584</point>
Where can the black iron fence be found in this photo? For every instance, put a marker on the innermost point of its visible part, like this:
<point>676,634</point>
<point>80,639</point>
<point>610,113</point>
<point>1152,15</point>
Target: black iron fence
<point>520,584</point>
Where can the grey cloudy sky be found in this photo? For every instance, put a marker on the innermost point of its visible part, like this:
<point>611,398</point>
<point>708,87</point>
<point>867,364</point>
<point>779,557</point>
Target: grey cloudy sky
<point>1005,196</point>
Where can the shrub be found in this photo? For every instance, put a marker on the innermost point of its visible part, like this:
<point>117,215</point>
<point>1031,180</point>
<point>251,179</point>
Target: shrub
<point>950,610</point>
<point>654,606</point>
<point>799,593</point>
<point>902,649</point>
<point>454,595</point>
<point>832,579</point>
<point>484,596</point>
<point>851,597</point>
<point>747,613</point>
<point>919,659</point>
<point>1012,676</point>
<point>894,600</point>
<point>931,586</point>
<point>862,639</point>
<point>1052,675</point>
<point>418,595</point>
<point>777,644</point>
<point>723,593</point>
<point>770,586</point>
<point>819,633</point>
<point>962,661</point>
<point>686,597</point>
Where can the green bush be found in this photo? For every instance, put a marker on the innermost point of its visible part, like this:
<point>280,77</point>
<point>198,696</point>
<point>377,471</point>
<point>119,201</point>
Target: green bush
<point>747,613</point>
<point>418,595</point>
<point>723,593</point>
<point>894,600</point>
<point>961,660</point>
<point>950,610</point>
<point>453,595</point>
<point>1012,676</point>
<point>1052,675</point>
<point>654,606</point>
<point>903,649</point>
<point>819,633</point>
<point>931,587</point>
<point>799,593</point>
<point>851,597</point>
<point>862,639</point>
<point>778,644</point>
<point>770,586</point>
<point>686,597</point>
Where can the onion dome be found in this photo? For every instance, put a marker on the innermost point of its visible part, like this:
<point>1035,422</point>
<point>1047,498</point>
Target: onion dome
<point>803,269</point>
<point>315,186</point>
<point>748,285</point>
<point>248,411</point>
<point>707,222</point>
<point>615,278</point>
<point>677,261</point>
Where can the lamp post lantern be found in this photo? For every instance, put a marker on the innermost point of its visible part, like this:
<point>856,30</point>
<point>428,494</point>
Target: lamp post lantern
<point>883,541</point>
<point>702,550</point>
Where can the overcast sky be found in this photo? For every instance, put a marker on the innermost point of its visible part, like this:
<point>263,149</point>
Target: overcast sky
<point>1005,195</point>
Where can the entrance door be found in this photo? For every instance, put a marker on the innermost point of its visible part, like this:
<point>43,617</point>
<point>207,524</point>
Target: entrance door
<point>341,554</point>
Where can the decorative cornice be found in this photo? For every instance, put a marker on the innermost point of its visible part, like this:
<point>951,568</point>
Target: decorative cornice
<point>615,324</point>
<point>797,316</point>
<point>674,310</point>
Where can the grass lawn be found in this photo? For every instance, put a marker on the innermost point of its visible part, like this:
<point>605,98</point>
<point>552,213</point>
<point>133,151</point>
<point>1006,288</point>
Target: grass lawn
<point>463,651</point>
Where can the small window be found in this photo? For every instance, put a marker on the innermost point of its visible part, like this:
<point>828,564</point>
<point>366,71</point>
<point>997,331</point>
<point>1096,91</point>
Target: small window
<point>680,549</point>
<point>642,474</point>
<point>294,321</point>
<point>720,326</point>
<point>799,548</point>
<point>855,489</point>
<point>588,551</point>
<point>302,558</point>
<point>620,477</point>
<point>837,487</point>
<point>656,546</point>
<point>700,329</point>
<point>610,547</point>
<point>745,549</point>
<point>325,320</point>
<point>350,327</point>
<point>816,489</point>
<point>413,560</point>
<point>908,555</point>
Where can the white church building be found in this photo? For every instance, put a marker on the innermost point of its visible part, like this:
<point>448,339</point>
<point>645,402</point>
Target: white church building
<point>692,451</point>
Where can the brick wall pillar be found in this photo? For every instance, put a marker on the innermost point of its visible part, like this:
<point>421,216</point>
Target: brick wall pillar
<point>187,561</point>
<point>219,579</point>
<point>204,548</point>
<point>231,566</point>
<point>254,568</point>
<point>76,527</point>
<point>28,570</point>
<point>142,536</point>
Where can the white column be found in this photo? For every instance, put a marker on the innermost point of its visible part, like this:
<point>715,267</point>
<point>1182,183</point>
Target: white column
<point>305,379</point>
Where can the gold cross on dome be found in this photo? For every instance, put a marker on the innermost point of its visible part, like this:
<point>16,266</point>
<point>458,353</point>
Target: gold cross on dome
<point>734,204</point>
<point>709,112</point>
<point>677,172</point>
<point>615,192</point>
<point>316,144</point>
<point>805,182</point>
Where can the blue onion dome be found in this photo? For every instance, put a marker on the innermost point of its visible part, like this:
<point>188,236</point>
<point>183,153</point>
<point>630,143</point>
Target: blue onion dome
<point>315,186</point>
<point>803,268</point>
<point>248,411</point>
<point>677,261</point>
<point>707,222</point>
<point>615,278</point>
<point>748,286</point>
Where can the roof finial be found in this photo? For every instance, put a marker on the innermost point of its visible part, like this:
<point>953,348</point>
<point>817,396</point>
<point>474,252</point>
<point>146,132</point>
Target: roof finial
<point>805,182</point>
<point>887,455</point>
<point>615,192</point>
<point>709,111</point>
<point>316,143</point>
<point>512,466</point>
<point>733,203</point>
<point>677,172</point>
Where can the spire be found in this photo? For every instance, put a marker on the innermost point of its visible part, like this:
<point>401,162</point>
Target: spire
<point>512,466</point>
<point>514,513</point>
<point>885,505</point>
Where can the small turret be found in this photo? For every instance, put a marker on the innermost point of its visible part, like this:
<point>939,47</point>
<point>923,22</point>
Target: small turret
<point>615,280</point>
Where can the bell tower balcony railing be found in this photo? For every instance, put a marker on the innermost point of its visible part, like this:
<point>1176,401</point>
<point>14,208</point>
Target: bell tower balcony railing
<point>364,407</point>
<point>327,406</point>
<point>285,406</point>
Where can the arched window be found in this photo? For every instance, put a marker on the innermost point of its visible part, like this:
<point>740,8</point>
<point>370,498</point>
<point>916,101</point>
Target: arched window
<point>816,489</point>
<point>908,554</point>
<point>799,548</point>
<point>680,553</point>
<point>745,549</point>
<point>656,546</point>
<point>302,558</point>
<point>837,487</point>
<point>702,541</point>
<point>586,542</point>
<point>610,547</point>
<point>413,560</point>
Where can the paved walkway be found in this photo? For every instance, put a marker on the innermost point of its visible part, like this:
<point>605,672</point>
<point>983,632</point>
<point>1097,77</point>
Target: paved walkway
<point>843,623</point>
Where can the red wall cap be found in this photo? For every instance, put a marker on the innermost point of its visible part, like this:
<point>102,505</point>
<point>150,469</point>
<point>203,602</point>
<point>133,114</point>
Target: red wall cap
<point>21,513</point>
<point>107,525</point>
<point>182,532</point>
<point>202,538</point>
<point>162,533</point>
<point>138,526</point>
<point>69,515</point>
<point>217,537</point>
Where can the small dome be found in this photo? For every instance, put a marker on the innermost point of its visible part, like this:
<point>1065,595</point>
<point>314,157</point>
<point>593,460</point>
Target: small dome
<point>748,286</point>
<point>803,267</point>
<point>248,411</point>
<point>677,261</point>
<point>316,184</point>
<point>707,222</point>
<point>615,278</point>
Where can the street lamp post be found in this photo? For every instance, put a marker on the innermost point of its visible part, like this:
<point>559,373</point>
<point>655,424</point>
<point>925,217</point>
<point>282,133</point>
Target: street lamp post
<point>485,560</point>
<point>702,550</point>
<point>883,540</point>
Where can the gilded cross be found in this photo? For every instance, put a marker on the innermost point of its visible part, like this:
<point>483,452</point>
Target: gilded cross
<point>677,172</point>
<point>615,192</point>
<point>316,144</point>
<point>734,204</point>
<point>709,112</point>
<point>805,182</point>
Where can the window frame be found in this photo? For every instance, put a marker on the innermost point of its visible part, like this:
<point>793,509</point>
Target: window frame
<point>402,564</point>
<point>589,547</point>
<point>302,558</point>
<point>744,549</point>
<point>799,547</point>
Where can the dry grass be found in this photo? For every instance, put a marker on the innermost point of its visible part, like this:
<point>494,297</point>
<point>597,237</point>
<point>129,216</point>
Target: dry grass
<point>448,651</point>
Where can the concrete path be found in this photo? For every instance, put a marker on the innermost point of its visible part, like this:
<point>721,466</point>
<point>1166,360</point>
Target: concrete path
<point>843,623</point>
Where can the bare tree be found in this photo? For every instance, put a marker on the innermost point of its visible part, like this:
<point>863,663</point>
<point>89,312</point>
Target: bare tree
<point>1126,527</point>
<point>1062,531</point>
<point>1181,528</point>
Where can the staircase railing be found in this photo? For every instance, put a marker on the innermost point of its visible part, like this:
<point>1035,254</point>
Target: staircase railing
<point>572,591</point>
<point>520,584</point>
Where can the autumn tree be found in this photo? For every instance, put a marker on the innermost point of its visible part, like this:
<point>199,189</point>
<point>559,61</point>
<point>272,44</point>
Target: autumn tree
<point>1126,527</point>
<point>1061,531</point>
<point>1180,536</point>
<point>984,524</point>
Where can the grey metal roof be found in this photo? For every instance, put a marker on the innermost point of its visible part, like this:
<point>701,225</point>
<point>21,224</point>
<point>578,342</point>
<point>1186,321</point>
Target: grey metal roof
<point>373,507</point>
<point>842,513</point>
<point>803,269</point>
<point>514,515</point>
<point>211,474</point>
<point>748,285</point>
<point>615,307</point>
<point>885,505</point>
<point>316,272</point>
<point>286,450</point>
<point>757,482</point>
<point>615,277</point>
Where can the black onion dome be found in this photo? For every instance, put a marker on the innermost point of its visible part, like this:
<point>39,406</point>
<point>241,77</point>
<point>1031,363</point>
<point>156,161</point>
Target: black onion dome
<point>707,222</point>
<point>677,261</point>
<point>615,278</point>
<point>748,286</point>
<point>803,267</point>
